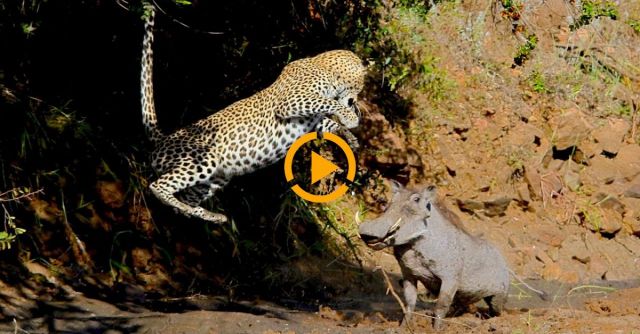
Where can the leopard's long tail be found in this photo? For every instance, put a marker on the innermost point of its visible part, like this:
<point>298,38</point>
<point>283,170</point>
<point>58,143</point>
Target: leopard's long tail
<point>149,119</point>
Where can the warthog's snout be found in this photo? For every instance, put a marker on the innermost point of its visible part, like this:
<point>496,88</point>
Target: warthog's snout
<point>403,222</point>
<point>369,239</point>
<point>379,233</point>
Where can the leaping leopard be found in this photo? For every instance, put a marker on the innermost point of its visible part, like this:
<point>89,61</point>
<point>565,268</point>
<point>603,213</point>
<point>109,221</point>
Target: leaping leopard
<point>197,160</point>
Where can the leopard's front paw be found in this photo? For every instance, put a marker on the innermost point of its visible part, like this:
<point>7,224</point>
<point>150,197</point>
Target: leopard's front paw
<point>354,145</point>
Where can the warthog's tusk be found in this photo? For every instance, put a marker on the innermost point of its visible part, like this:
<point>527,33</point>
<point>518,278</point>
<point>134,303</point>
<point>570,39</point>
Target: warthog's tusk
<point>357,217</point>
<point>395,226</point>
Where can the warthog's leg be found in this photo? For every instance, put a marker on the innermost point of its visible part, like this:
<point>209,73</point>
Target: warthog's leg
<point>445,297</point>
<point>496,304</point>
<point>410,289</point>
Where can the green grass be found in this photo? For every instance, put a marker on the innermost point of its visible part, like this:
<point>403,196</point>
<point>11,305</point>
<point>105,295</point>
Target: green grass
<point>538,82</point>
<point>592,9</point>
<point>524,51</point>
<point>412,63</point>
<point>635,25</point>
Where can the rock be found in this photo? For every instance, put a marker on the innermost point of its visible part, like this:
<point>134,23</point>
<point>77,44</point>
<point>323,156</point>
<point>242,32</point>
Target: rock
<point>633,191</point>
<point>605,214</point>
<point>631,204</point>
<point>556,272</point>
<point>453,160</point>
<point>614,259</point>
<point>632,220</point>
<point>532,177</point>
<point>469,205</point>
<point>553,253</point>
<point>572,180</point>
<point>632,244</point>
<point>551,272</point>
<point>628,161</point>
<point>555,164</point>
<point>610,137</point>
<point>605,221</point>
<point>574,246</point>
<point>624,167</point>
<point>569,129</point>
<point>602,170</point>
<point>44,210</point>
<point>551,184</point>
<point>111,193</point>
<point>608,201</point>
<point>490,208</point>
<point>524,197</point>
<point>543,257</point>
<point>387,150</point>
<point>552,236</point>
<point>523,135</point>
<point>583,260</point>
<point>598,266</point>
<point>589,150</point>
<point>140,258</point>
<point>496,207</point>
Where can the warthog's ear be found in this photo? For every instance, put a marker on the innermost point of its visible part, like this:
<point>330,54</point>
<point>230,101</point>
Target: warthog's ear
<point>430,192</point>
<point>395,186</point>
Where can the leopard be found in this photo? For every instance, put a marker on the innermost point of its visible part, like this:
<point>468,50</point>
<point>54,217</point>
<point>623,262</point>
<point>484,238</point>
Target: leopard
<point>317,93</point>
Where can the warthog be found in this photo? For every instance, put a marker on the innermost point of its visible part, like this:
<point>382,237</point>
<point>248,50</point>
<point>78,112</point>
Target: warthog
<point>433,247</point>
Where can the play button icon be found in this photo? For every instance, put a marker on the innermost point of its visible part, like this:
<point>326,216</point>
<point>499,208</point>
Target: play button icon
<point>320,167</point>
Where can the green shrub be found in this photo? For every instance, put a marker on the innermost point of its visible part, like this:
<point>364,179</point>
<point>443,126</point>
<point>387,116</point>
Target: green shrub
<point>635,25</point>
<point>524,51</point>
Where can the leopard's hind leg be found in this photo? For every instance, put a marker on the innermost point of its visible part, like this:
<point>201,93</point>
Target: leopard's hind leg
<point>169,184</point>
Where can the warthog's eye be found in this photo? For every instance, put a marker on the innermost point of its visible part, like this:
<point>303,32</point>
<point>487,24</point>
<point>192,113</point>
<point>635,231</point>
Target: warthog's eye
<point>415,198</point>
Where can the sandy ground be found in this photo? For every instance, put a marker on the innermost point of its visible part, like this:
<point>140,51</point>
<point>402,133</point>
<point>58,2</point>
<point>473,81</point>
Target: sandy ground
<point>602,307</point>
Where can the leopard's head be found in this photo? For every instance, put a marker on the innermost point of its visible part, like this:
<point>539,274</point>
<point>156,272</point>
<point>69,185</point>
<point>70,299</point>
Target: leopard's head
<point>348,72</point>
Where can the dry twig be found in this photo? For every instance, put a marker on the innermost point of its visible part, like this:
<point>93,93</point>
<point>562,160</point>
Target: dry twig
<point>395,295</point>
<point>27,195</point>
<point>634,121</point>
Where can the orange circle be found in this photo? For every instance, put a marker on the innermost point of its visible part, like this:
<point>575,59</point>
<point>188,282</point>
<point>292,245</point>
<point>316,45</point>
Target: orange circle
<point>342,189</point>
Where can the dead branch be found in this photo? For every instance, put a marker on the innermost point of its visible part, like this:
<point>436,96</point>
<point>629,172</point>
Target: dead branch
<point>634,122</point>
<point>393,292</point>
<point>395,295</point>
<point>27,195</point>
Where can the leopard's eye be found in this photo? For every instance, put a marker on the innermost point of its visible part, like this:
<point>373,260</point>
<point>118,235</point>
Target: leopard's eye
<point>350,102</point>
